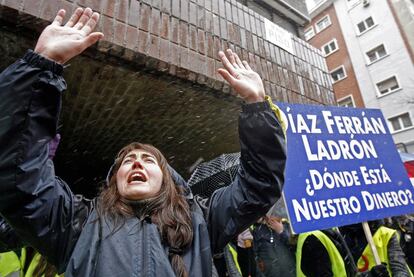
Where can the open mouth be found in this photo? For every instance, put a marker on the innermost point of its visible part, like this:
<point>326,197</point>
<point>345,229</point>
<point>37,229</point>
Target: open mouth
<point>137,177</point>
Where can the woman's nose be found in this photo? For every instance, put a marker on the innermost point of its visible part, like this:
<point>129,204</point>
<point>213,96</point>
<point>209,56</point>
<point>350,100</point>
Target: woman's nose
<point>137,164</point>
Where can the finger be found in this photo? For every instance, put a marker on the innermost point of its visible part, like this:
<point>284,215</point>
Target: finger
<point>58,21</point>
<point>238,61</point>
<point>246,65</point>
<point>90,40</point>
<point>91,24</point>
<point>83,19</point>
<point>226,75</point>
<point>74,18</point>
<point>230,57</point>
<point>227,65</point>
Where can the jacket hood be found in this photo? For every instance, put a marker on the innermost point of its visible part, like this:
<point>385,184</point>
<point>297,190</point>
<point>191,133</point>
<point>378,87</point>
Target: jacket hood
<point>179,181</point>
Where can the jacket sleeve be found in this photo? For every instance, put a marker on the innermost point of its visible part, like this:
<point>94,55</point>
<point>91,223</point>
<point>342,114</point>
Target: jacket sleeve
<point>9,240</point>
<point>398,265</point>
<point>39,206</point>
<point>259,181</point>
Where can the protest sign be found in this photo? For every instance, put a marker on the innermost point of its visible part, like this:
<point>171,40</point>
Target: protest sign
<point>342,168</point>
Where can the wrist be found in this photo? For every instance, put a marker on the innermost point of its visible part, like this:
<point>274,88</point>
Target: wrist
<point>42,62</point>
<point>48,55</point>
<point>255,98</point>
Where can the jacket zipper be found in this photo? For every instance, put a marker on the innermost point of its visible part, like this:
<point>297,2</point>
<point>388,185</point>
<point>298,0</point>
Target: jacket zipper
<point>144,247</point>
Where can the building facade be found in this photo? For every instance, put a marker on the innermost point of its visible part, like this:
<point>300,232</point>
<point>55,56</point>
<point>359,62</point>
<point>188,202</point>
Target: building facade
<point>403,11</point>
<point>290,15</point>
<point>380,57</point>
<point>324,32</point>
<point>153,78</point>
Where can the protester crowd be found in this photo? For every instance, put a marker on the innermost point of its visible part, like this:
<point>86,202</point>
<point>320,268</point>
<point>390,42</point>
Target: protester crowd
<point>268,248</point>
<point>146,221</point>
<point>340,251</point>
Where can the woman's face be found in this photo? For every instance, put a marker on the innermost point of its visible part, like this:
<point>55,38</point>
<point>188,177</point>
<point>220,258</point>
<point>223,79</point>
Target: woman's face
<point>139,176</point>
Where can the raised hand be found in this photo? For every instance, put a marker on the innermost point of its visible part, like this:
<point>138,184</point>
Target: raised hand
<point>247,83</point>
<point>61,43</point>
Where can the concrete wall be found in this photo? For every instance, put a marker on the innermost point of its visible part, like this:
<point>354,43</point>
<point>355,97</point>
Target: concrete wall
<point>299,5</point>
<point>273,15</point>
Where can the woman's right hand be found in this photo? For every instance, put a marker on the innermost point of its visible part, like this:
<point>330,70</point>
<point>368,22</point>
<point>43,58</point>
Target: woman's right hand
<point>61,43</point>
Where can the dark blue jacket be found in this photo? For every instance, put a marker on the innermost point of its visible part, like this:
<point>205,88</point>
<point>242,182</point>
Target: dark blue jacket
<point>66,228</point>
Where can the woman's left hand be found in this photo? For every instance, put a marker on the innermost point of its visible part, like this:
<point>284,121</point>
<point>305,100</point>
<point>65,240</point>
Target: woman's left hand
<point>246,83</point>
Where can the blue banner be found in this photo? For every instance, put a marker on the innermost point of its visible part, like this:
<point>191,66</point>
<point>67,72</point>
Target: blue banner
<point>342,168</point>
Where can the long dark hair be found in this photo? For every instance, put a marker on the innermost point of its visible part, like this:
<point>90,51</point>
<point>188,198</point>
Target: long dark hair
<point>169,208</point>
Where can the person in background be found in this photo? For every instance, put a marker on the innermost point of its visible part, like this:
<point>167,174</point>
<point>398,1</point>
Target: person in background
<point>271,247</point>
<point>405,226</point>
<point>245,254</point>
<point>25,262</point>
<point>388,247</point>
<point>347,253</point>
<point>323,254</point>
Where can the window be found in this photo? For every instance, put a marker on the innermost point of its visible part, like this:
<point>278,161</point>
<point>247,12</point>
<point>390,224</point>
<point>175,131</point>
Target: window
<point>338,74</point>
<point>347,102</point>
<point>400,122</point>
<point>330,47</point>
<point>365,25</point>
<point>376,53</point>
<point>387,86</point>
<point>323,23</point>
<point>309,33</point>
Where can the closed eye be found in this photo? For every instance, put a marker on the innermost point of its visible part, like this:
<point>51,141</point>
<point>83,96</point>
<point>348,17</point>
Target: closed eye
<point>150,160</point>
<point>126,161</point>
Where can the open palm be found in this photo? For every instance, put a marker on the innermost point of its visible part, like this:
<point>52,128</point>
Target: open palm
<point>61,43</point>
<point>246,83</point>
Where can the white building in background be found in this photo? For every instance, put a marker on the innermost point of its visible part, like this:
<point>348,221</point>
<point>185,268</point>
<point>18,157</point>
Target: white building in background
<point>381,60</point>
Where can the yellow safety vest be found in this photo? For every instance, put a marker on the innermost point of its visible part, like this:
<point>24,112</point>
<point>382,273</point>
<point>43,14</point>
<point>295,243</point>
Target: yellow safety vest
<point>12,266</point>
<point>381,239</point>
<point>234,255</point>
<point>337,262</point>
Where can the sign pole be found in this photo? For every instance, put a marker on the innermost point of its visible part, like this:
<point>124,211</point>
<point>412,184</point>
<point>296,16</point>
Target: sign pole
<point>371,243</point>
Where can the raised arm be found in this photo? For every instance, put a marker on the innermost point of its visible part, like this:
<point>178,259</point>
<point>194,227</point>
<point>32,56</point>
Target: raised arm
<point>40,207</point>
<point>260,179</point>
